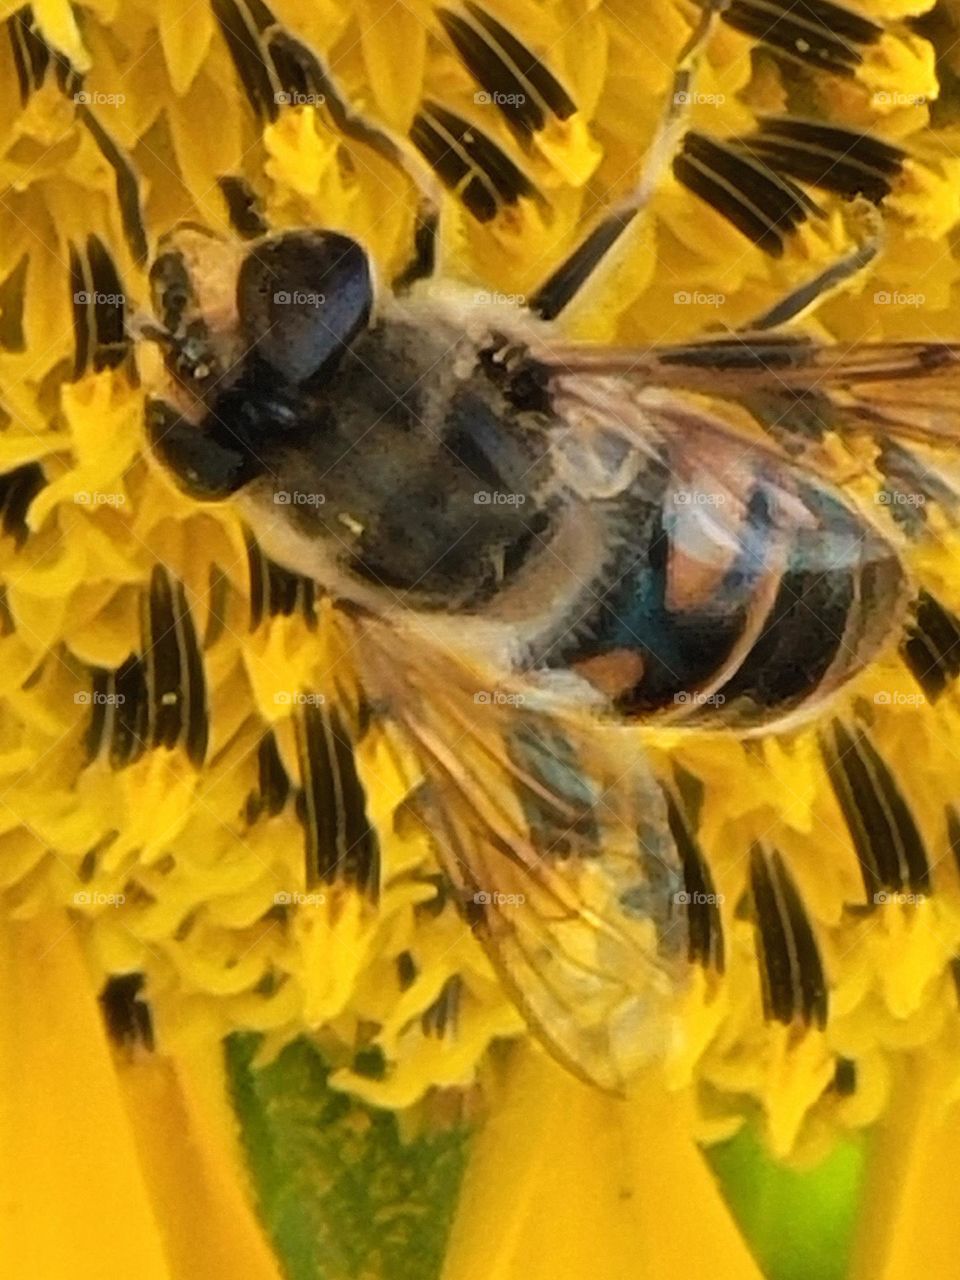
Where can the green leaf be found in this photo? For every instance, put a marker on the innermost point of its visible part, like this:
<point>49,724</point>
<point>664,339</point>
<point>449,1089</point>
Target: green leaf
<point>342,1195</point>
<point>799,1224</point>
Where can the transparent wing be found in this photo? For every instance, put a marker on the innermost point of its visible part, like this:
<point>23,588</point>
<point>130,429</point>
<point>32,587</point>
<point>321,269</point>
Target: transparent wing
<point>556,840</point>
<point>798,390</point>
<point>760,566</point>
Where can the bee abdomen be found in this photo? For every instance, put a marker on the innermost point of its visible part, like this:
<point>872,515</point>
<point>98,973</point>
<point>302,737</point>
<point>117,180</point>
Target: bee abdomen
<point>742,637</point>
<point>801,639</point>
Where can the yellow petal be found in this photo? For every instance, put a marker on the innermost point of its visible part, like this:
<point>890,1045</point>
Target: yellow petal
<point>394,43</point>
<point>186,29</point>
<point>75,1202</point>
<point>566,1182</point>
<point>911,1201</point>
<point>113,1165</point>
<point>191,1161</point>
<point>58,25</point>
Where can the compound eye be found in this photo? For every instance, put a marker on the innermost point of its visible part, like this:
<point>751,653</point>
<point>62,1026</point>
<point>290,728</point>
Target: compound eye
<point>302,297</point>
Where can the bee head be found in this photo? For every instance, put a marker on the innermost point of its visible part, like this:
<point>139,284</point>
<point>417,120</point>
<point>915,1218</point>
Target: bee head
<point>281,311</point>
<point>245,333</point>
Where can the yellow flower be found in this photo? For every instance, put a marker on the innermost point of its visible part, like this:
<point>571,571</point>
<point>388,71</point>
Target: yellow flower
<point>154,777</point>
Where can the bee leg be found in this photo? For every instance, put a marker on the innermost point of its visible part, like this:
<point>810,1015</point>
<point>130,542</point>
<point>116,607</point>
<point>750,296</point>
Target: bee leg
<point>423,261</point>
<point>100,317</point>
<point>244,208</point>
<point>560,289</point>
<point>426,236</point>
<point>301,66</point>
<point>812,292</point>
<point>129,195</point>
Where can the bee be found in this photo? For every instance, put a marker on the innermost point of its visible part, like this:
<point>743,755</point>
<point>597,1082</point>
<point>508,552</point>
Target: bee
<point>545,550</point>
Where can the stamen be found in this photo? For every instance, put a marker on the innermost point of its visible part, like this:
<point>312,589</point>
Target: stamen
<point>932,647</point>
<point>794,986</point>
